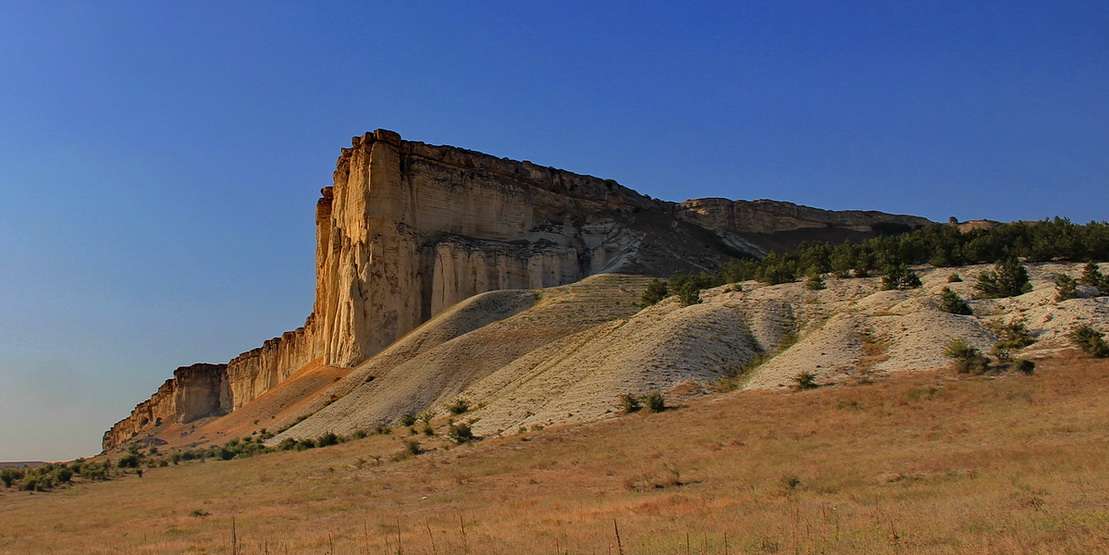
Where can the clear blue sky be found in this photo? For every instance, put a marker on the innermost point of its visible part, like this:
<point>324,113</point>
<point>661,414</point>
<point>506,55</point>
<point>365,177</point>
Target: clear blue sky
<point>159,162</point>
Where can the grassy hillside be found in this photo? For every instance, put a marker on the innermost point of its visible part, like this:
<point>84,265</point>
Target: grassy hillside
<point>928,462</point>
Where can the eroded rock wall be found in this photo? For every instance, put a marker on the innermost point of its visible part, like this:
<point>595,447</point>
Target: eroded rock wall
<point>194,392</point>
<point>410,229</point>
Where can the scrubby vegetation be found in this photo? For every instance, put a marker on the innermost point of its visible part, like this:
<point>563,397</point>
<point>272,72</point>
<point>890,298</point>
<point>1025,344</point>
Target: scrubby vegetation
<point>952,303</point>
<point>1091,341</point>
<point>941,245</point>
<point>459,406</point>
<point>968,359</point>
<point>921,464</point>
<point>1066,288</point>
<point>805,380</point>
<point>1009,278</point>
<point>900,277</point>
<point>1011,336</point>
<point>649,402</point>
<point>48,477</point>
<point>51,476</point>
<point>1091,275</point>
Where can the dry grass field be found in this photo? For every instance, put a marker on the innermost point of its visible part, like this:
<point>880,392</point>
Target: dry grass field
<point>926,462</point>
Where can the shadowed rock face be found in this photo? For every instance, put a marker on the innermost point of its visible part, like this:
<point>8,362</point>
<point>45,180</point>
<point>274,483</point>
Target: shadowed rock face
<point>407,230</point>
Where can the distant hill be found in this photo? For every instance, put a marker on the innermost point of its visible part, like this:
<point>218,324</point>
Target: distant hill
<point>21,464</point>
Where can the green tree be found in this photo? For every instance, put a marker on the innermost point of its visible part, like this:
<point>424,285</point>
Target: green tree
<point>1065,288</point>
<point>952,303</point>
<point>1091,275</point>
<point>967,358</point>
<point>815,281</point>
<point>656,291</point>
<point>1091,341</point>
<point>688,286</point>
<point>1009,278</point>
<point>900,277</point>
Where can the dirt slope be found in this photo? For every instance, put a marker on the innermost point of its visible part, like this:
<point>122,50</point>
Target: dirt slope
<point>563,355</point>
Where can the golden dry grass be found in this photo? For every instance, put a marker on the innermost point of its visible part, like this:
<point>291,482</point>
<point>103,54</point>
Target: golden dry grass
<point>920,463</point>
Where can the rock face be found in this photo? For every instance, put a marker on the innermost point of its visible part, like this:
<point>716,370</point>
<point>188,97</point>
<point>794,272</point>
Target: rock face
<point>407,230</point>
<point>194,392</point>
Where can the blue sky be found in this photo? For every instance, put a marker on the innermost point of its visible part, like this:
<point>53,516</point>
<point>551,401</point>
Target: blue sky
<point>159,162</point>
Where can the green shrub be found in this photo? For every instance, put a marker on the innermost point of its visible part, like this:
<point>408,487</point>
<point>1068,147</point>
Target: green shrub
<point>408,419</point>
<point>460,432</point>
<point>688,286</point>
<point>805,380</point>
<point>656,291</point>
<point>815,282</point>
<point>653,402</point>
<point>1009,278</point>
<point>412,447</point>
<point>1024,366</point>
<point>899,277</point>
<point>94,471</point>
<point>1011,337</point>
<point>952,303</point>
<point>629,402</point>
<point>1091,341</point>
<point>967,358</point>
<point>327,439</point>
<point>459,406</point>
<point>1066,288</point>
<point>10,476</point>
<point>954,278</point>
<point>130,460</point>
<point>1091,275</point>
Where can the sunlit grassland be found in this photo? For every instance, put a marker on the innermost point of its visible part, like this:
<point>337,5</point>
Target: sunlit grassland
<point>919,463</point>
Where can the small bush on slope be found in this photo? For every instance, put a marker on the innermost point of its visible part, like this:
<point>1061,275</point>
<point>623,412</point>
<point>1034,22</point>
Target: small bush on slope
<point>952,303</point>
<point>1009,278</point>
<point>1066,288</point>
<point>967,358</point>
<point>1091,341</point>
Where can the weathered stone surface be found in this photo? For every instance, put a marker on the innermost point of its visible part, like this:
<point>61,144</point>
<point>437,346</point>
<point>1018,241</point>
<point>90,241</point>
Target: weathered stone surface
<point>194,392</point>
<point>406,230</point>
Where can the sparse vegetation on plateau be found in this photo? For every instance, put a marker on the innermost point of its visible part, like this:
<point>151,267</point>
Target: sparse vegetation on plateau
<point>941,245</point>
